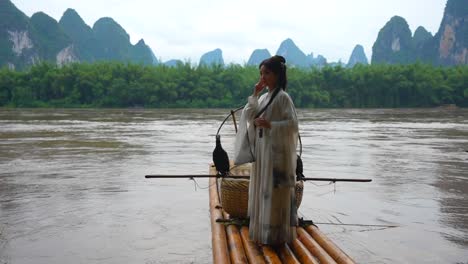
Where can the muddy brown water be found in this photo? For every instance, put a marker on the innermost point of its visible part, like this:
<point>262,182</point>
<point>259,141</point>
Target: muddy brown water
<point>72,186</point>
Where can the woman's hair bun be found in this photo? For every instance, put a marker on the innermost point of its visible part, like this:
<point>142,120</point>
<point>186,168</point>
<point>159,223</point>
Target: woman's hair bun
<point>280,58</point>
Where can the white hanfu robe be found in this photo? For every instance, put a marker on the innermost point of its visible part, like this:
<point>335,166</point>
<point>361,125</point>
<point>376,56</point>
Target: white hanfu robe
<point>272,204</point>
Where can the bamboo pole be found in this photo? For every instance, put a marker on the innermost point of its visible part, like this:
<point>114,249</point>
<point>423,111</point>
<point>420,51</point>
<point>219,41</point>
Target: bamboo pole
<point>215,175</point>
<point>236,249</point>
<point>233,113</point>
<point>314,247</point>
<point>333,250</point>
<point>254,255</point>
<point>218,233</point>
<point>303,255</point>
<point>287,256</point>
<point>270,255</point>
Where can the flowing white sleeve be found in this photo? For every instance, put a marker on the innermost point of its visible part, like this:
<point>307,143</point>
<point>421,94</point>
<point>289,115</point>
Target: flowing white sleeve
<point>245,137</point>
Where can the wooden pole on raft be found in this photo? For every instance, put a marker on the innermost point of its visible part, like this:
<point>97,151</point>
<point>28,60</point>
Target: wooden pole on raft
<point>333,250</point>
<point>215,175</point>
<point>218,232</point>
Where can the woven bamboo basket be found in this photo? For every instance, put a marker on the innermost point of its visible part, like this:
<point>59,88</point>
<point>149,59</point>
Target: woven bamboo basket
<point>235,194</point>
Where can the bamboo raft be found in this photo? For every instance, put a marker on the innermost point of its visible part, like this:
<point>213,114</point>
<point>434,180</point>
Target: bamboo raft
<point>231,244</point>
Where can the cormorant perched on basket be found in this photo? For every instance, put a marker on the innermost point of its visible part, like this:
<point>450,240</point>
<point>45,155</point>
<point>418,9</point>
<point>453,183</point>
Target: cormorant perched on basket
<point>220,158</point>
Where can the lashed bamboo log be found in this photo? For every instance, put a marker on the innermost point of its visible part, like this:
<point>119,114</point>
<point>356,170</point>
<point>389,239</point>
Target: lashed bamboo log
<point>218,232</point>
<point>333,250</point>
<point>235,246</point>
<point>287,256</point>
<point>254,255</point>
<point>270,255</point>
<point>314,247</point>
<point>301,252</point>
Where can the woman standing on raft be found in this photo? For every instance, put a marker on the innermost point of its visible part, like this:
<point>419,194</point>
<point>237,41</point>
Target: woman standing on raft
<point>273,140</point>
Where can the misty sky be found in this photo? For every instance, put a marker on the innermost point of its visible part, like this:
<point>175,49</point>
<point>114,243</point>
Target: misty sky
<point>177,29</point>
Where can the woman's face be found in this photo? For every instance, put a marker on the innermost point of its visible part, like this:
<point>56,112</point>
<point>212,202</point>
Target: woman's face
<point>268,77</point>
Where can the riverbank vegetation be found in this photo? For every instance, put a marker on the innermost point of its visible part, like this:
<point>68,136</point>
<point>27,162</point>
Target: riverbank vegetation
<point>112,84</point>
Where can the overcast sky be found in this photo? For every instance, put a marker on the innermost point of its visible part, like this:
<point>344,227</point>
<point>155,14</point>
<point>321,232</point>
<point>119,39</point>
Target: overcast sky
<point>183,29</point>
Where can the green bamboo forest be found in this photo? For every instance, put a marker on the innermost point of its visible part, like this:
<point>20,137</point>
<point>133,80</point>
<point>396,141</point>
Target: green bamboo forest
<point>117,85</point>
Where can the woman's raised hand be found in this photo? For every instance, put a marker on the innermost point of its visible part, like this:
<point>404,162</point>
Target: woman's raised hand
<point>259,87</point>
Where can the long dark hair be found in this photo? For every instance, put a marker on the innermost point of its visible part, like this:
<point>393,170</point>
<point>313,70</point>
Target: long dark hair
<point>277,64</point>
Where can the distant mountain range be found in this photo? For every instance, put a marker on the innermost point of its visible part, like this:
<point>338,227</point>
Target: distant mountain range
<point>26,41</point>
<point>449,46</point>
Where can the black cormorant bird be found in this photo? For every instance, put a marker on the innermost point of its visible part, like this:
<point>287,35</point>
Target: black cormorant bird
<point>220,158</point>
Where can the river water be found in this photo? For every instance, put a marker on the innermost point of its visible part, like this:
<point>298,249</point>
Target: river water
<point>72,186</point>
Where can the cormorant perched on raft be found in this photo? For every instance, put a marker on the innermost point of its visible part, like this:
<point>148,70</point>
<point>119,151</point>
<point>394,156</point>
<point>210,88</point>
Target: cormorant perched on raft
<point>220,158</point>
